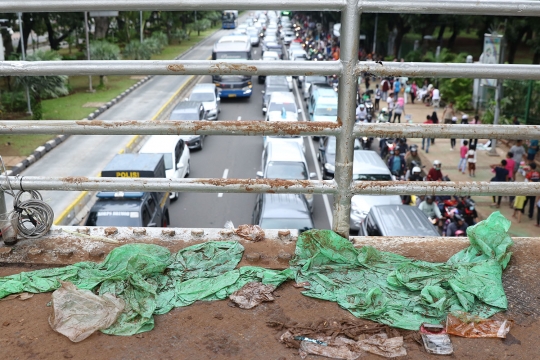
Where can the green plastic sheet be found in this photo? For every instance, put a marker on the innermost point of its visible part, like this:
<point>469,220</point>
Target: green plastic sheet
<point>401,292</point>
<point>151,280</point>
<point>372,284</point>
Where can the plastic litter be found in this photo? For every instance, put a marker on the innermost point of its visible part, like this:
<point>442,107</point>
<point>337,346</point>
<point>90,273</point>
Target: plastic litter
<point>250,232</point>
<point>401,292</point>
<point>77,314</point>
<point>252,294</point>
<point>467,325</point>
<point>436,340</point>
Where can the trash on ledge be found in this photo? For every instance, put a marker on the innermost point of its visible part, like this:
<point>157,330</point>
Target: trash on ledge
<point>252,294</point>
<point>250,232</point>
<point>467,325</point>
<point>436,340</point>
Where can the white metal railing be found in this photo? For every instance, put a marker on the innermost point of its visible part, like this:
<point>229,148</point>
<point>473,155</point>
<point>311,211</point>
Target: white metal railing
<point>348,68</point>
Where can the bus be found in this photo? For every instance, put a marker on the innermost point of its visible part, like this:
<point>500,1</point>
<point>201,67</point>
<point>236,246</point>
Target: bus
<point>229,19</point>
<point>229,49</point>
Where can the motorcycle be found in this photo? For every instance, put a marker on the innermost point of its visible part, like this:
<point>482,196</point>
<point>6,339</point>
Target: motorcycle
<point>387,145</point>
<point>366,142</point>
<point>366,100</point>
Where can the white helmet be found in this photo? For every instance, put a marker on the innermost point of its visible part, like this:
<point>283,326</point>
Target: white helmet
<point>416,169</point>
<point>436,162</point>
<point>362,105</point>
<point>384,110</point>
<point>465,117</point>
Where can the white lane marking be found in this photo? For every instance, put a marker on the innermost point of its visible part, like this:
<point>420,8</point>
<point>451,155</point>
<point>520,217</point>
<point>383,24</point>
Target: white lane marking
<point>239,118</point>
<point>314,156</point>
<point>225,174</point>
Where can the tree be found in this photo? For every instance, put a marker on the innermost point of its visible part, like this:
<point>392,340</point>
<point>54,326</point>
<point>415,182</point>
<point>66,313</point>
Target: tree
<point>60,25</point>
<point>213,16</point>
<point>199,25</point>
<point>104,50</point>
<point>42,87</point>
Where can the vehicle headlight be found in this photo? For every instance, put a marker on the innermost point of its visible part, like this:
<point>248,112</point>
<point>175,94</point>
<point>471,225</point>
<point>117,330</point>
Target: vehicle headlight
<point>289,78</point>
<point>329,167</point>
<point>246,88</point>
<point>309,197</point>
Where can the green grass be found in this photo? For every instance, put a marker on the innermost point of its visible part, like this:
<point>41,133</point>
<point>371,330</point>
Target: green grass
<point>71,107</point>
<point>21,145</point>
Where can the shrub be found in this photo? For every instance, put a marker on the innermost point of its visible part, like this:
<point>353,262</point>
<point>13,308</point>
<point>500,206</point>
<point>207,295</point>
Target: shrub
<point>13,101</point>
<point>161,38</point>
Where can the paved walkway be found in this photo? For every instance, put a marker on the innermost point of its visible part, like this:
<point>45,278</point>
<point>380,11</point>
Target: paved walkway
<point>450,159</point>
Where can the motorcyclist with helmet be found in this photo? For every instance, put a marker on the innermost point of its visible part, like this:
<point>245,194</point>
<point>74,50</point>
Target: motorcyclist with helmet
<point>430,208</point>
<point>435,173</point>
<point>412,158</point>
<point>458,224</point>
<point>415,174</point>
<point>383,115</point>
<point>361,113</point>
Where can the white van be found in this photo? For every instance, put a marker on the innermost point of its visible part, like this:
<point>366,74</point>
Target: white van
<point>175,153</point>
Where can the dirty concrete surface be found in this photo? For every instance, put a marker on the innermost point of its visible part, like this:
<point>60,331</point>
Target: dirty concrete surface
<point>217,330</point>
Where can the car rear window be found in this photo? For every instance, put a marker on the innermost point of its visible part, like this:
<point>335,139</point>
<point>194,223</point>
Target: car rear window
<point>286,170</point>
<point>114,218</point>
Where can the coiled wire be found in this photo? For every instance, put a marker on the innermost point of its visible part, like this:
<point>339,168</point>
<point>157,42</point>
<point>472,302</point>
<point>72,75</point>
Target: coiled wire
<point>33,217</point>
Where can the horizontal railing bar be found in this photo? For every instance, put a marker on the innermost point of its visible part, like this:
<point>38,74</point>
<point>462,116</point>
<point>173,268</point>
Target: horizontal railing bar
<point>469,188</point>
<point>168,67</point>
<point>254,67</point>
<point>450,70</point>
<point>256,127</point>
<point>165,5</point>
<point>100,127</point>
<point>386,130</point>
<point>460,7</point>
<point>269,186</point>
<point>277,186</point>
<point>479,7</point>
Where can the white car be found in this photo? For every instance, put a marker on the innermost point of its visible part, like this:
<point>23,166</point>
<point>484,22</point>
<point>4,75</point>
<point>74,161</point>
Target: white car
<point>175,153</point>
<point>268,56</point>
<point>282,107</point>
<point>208,95</point>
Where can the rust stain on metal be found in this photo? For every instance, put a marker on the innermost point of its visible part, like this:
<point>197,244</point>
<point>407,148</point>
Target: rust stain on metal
<point>309,73</point>
<point>269,127</point>
<point>176,68</point>
<point>248,183</point>
<point>75,179</point>
<point>110,231</point>
<point>229,68</point>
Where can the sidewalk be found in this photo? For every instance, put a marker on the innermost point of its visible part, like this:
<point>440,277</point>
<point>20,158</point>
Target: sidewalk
<point>450,159</point>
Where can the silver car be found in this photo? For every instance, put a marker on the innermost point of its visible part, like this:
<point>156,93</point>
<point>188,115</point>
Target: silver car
<point>208,94</point>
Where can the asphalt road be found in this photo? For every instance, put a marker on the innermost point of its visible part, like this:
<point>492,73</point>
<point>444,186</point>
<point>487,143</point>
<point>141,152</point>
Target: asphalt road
<point>239,157</point>
<point>83,155</point>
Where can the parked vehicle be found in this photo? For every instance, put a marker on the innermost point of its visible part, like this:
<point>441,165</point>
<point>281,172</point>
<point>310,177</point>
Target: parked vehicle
<point>273,46</point>
<point>208,94</point>
<point>368,166</point>
<point>231,48</point>
<point>190,110</point>
<point>285,160</point>
<point>268,56</point>
<point>123,208</point>
<point>273,84</point>
<point>396,220</point>
<point>253,35</point>
<point>175,154</point>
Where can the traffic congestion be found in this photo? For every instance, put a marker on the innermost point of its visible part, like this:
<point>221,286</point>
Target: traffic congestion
<point>277,36</point>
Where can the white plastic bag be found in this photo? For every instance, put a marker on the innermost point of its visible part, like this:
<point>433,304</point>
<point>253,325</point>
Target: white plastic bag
<point>78,313</point>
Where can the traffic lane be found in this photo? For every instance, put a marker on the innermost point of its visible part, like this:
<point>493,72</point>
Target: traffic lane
<point>238,156</point>
<point>241,156</point>
<point>79,155</point>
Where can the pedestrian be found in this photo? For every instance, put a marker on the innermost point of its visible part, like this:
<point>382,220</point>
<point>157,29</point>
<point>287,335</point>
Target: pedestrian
<point>532,150</point>
<point>414,91</point>
<point>453,140</point>
<point>435,120</point>
<point>519,206</point>
<point>435,98</point>
<point>518,150</point>
<point>448,113</point>
<point>537,212</point>
<point>501,175</point>
<point>464,119</point>
<point>463,156</point>
<point>471,162</point>
<point>407,91</point>
<point>532,176</point>
<point>426,141</point>
<point>377,97</point>
<point>510,163</point>
<point>524,166</point>
<point>385,86</point>
<point>515,121</point>
<point>474,142</point>
<point>396,163</point>
<point>399,109</point>
<point>390,105</point>
<point>397,88</point>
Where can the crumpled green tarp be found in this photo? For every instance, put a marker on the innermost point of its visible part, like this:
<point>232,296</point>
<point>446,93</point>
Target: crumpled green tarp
<point>401,292</point>
<point>372,284</point>
<point>151,280</point>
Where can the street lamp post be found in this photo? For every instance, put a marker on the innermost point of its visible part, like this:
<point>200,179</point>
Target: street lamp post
<point>88,49</point>
<point>23,53</point>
